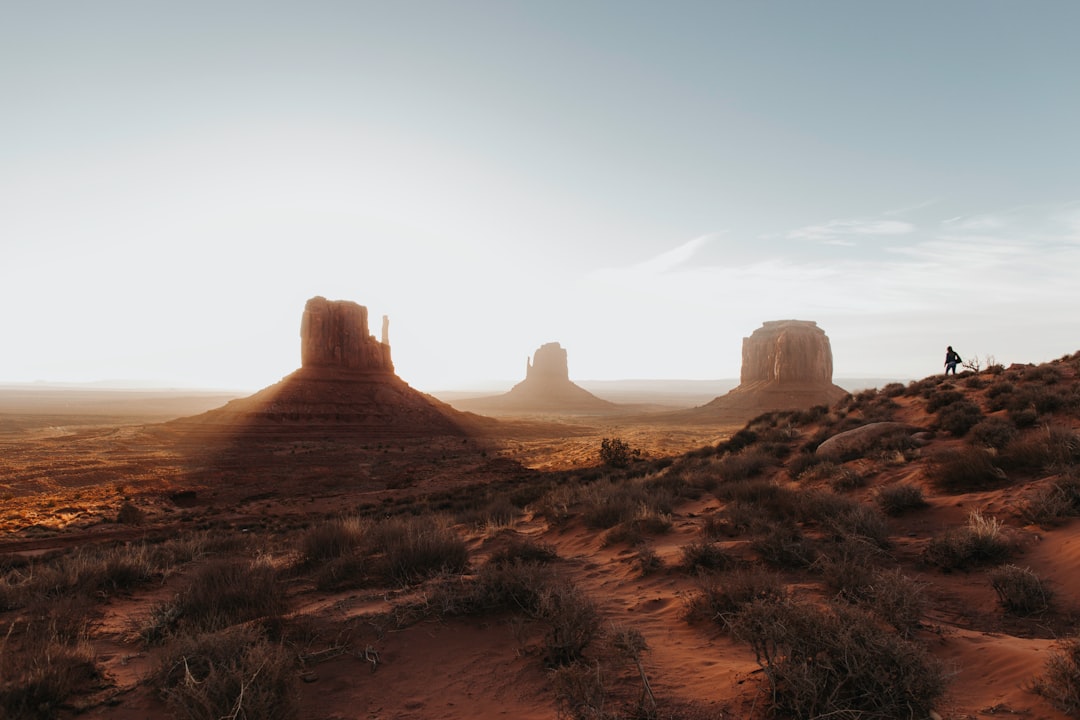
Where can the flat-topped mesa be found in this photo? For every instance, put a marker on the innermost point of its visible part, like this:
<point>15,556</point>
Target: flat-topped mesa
<point>787,351</point>
<point>334,334</point>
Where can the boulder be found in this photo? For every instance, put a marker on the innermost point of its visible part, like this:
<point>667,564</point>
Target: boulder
<point>856,442</point>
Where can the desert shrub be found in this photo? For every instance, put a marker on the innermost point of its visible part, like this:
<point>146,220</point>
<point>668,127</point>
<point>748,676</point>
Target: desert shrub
<point>647,560</point>
<point>982,541</point>
<point>924,387</point>
<point>976,383</point>
<point>1050,504</point>
<point>524,549</point>
<point>1020,590</point>
<point>607,504</point>
<point>720,597</point>
<point>747,463</point>
<point>1047,374</point>
<point>705,556</point>
<point>573,623</point>
<point>411,549</point>
<point>893,389</point>
<point>763,499</point>
<point>580,691</point>
<point>785,546</point>
<point>1060,681</point>
<point>332,539</point>
<point>895,500</point>
<point>616,452</point>
<point>39,671</point>
<point>813,414</point>
<point>743,438</point>
<point>234,673</point>
<point>1051,447</point>
<point>896,599</point>
<point>995,432</point>
<point>634,531</point>
<point>222,593</point>
<point>959,417</point>
<point>805,463</point>
<point>964,469</point>
<point>498,512</point>
<point>999,389</point>
<point>850,570</point>
<point>844,478</point>
<point>1024,417</point>
<point>847,568</point>
<point>844,517</point>
<point>834,661</point>
<point>943,398</point>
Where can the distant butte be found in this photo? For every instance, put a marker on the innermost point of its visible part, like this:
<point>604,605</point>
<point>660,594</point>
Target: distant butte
<point>346,388</point>
<point>547,388</point>
<point>786,365</point>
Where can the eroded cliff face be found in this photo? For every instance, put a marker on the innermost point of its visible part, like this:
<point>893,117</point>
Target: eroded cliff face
<point>334,334</point>
<point>787,351</point>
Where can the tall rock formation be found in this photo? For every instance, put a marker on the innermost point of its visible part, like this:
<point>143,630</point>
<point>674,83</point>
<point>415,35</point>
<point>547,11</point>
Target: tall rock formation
<point>786,352</point>
<point>335,335</point>
<point>786,365</point>
<point>346,388</point>
<point>546,389</point>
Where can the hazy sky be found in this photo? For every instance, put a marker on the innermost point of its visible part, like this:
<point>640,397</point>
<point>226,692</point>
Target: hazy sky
<point>643,182</point>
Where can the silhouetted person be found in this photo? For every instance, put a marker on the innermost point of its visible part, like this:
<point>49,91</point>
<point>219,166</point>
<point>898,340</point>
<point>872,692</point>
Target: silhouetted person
<point>952,359</point>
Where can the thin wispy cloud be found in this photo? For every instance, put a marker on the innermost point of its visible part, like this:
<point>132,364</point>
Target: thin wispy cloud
<point>844,231</point>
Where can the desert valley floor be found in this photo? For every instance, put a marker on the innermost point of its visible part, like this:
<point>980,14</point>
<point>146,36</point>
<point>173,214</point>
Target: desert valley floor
<point>925,564</point>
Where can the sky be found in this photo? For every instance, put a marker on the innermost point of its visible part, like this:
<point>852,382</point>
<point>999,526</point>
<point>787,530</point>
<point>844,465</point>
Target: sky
<point>644,182</point>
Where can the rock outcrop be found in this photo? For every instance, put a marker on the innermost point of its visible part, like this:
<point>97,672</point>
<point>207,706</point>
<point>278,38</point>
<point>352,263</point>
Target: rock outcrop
<point>547,388</point>
<point>346,388</point>
<point>335,335</point>
<point>786,365</point>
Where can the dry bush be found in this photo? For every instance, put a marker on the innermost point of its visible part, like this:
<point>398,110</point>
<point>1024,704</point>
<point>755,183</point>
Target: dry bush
<point>995,432</point>
<point>847,567</point>
<point>943,398</point>
<point>647,560</point>
<point>982,541</point>
<point>1020,590</point>
<point>963,470</point>
<point>1051,504</point>
<point>524,549</point>
<point>616,453</point>
<point>332,539</point>
<point>720,597</point>
<point>844,517</point>
<point>234,673</point>
<point>809,466</point>
<point>747,463</point>
<point>634,531</point>
<point>580,691</point>
<point>705,556</point>
<point>835,661</point>
<point>1060,681</point>
<point>573,623</point>
<point>893,389</point>
<point>39,671</point>
<point>408,550</point>
<point>222,593</point>
<point>895,500</point>
<point>784,546</point>
<point>1052,447</point>
<point>897,599</point>
<point>959,417</point>
<point>606,504</point>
